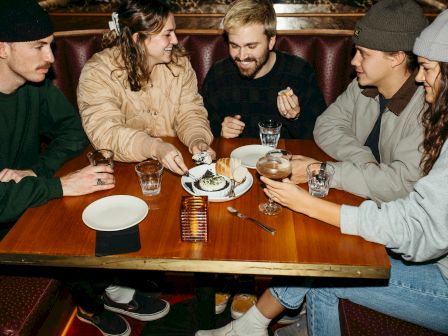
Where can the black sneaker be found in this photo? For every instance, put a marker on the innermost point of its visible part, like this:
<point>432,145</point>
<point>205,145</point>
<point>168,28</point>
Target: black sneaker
<point>141,307</point>
<point>110,324</point>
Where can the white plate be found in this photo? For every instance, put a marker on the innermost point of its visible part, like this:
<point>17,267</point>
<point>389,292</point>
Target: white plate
<point>114,213</point>
<point>200,170</point>
<point>250,154</point>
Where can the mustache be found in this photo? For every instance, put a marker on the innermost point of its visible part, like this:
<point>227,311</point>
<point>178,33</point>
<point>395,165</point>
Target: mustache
<point>248,59</point>
<point>45,66</point>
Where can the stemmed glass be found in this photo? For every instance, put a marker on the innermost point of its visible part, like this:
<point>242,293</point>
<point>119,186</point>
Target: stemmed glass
<point>276,165</point>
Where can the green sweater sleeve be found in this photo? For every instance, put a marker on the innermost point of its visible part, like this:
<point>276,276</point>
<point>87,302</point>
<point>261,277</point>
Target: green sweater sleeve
<point>60,124</point>
<point>15,198</point>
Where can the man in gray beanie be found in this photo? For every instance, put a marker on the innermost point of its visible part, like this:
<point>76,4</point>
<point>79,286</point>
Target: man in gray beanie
<point>373,127</point>
<point>33,109</point>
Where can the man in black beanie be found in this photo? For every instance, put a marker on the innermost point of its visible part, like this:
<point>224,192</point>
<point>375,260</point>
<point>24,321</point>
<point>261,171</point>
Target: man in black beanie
<point>373,128</point>
<point>33,109</point>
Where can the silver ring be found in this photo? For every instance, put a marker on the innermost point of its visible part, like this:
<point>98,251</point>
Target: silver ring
<point>100,182</point>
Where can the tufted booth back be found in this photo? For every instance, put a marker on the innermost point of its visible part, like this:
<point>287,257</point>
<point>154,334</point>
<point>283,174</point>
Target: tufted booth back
<point>329,55</point>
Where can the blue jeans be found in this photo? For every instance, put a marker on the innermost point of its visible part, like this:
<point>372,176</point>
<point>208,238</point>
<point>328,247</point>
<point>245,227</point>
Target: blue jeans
<point>415,293</point>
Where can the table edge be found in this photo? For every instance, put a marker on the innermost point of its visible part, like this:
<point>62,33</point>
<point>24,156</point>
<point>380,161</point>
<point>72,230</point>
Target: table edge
<point>206,266</point>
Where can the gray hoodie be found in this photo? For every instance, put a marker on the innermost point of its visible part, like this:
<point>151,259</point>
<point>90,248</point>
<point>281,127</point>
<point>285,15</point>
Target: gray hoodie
<point>415,226</point>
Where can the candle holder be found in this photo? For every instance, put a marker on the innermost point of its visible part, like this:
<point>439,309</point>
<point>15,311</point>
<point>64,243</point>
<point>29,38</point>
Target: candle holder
<point>194,218</point>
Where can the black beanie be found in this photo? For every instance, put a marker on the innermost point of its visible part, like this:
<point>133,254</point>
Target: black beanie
<point>390,25</point>
<point>23,20</point>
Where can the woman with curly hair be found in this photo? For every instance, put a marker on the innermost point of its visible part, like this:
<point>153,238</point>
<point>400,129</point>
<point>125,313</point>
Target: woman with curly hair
<point>142,87</point>
<point>414,229</point>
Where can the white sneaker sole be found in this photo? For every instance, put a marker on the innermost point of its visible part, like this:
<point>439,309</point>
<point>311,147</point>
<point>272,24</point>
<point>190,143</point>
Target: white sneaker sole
<point>141,317</point>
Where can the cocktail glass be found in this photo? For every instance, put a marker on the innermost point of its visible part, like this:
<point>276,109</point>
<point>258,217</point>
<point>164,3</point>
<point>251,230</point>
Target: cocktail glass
<point>275,165</point>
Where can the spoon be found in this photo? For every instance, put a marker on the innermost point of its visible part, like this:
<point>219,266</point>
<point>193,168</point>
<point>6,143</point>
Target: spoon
<point>235,212</point>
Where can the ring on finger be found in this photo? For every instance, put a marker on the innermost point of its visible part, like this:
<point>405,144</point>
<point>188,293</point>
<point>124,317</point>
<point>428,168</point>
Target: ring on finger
<point>100,182</point>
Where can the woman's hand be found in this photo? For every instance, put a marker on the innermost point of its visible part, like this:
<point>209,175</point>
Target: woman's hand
<point>200,146</point>
<point>292,196</point>
<point>287,194</point>
<point>171,158</point>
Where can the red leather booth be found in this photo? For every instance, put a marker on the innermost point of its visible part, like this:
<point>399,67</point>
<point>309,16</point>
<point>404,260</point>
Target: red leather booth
<point>330,56</point>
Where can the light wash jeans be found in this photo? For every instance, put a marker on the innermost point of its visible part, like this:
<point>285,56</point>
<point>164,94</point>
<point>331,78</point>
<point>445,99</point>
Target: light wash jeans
<point>415,293</point>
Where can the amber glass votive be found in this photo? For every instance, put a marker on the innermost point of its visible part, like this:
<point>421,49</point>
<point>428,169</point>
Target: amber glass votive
<point>194,218</point>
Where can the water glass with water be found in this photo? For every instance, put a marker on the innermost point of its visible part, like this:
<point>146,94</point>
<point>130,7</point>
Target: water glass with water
<point>150,176</point>
<point>270,132</point>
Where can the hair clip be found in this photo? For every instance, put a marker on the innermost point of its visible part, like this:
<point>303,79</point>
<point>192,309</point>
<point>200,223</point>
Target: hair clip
<point>114,25</point>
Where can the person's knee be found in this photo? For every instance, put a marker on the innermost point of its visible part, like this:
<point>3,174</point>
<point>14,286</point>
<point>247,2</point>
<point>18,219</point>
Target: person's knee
<point>289,297</point>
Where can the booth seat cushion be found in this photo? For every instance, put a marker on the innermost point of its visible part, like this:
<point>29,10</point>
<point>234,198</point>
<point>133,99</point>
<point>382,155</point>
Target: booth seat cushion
<point>25,303</point>
<point>357,320</point>
<point>329,55</point>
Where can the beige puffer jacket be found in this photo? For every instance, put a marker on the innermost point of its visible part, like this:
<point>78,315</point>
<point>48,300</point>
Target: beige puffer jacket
<point>129,123</point>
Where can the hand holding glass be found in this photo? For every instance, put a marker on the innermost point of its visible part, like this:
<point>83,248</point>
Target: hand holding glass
<point>101,157</point>
<point>275,165</point>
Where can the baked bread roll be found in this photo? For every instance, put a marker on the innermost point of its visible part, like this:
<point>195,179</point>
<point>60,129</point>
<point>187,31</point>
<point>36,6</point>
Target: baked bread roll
<point>231,168</point>
<point>286,92</point>
<point>239,174</point>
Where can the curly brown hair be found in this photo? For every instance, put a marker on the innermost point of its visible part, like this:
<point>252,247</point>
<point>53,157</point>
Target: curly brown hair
<point>435,123</point>
<point>145,18</point>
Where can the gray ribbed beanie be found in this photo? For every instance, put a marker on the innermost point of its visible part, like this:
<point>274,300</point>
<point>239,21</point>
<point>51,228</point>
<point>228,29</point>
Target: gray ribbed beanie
<point>23,20</point>
<point>390,25</point>
<point>433,41</point>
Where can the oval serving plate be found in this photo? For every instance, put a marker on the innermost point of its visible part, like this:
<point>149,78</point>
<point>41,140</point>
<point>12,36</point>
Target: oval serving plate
<point>212,197</point>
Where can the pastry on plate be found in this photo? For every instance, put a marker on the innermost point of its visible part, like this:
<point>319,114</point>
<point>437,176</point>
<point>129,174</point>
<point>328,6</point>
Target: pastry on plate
<point>231,168</point>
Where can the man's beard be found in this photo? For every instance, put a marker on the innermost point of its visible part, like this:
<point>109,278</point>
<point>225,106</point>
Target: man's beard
<point>253,71</point>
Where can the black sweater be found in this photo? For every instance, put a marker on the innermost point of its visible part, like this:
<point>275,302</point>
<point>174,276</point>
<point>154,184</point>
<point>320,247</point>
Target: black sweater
<point>226,93</point>
<point>29,115</point>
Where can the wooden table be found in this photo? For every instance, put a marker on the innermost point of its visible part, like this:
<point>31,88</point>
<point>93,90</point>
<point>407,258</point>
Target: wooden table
<point>55,235</point>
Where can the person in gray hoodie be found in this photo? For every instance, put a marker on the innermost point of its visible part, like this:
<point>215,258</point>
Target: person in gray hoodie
<point>414,228</point>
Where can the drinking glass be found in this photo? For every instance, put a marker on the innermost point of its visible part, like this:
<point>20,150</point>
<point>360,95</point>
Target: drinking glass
<point>275,165</point>
<point>319,178</point>
<point>270,132</point>
<point>149,174</point>
<point>101,157</point>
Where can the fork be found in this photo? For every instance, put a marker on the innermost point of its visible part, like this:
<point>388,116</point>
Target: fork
<point>233,185</point>
<point>194,178</point>
<point>231,192</point>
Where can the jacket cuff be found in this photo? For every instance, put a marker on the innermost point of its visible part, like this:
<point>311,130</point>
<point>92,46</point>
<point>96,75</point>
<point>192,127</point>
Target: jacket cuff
<point>349,220</point>
<point>190,147</point>
<point>336,180</point>
<point>147,147</point>
<point>55,188</point>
